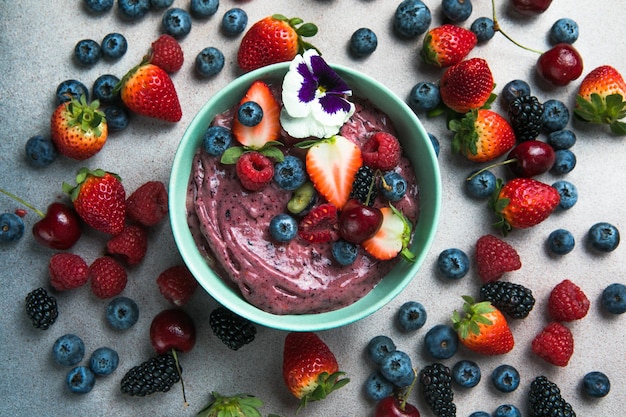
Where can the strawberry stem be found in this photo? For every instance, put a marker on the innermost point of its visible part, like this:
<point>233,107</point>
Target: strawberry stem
<point>498,28</point>
<point>19,200</point>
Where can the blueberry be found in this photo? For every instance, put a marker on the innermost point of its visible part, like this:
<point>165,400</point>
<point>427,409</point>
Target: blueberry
<point>80,380</point>
<point>104,89</point>
<point>283,227</point>
<point>480,414</point>
<point>122,313</point>
<point>40,151</point>
<point>457,10</point>
<point>250,113</point>
<point>466,373</point>
<point>564,161</point>
<point>99,6</point>
<point>435,142</point>
<point>11,227</point>
<point>505,378</point>
<point>71,89</point>
<point>596,384</point>
<point>114,46</point>
<point>561,139</point>
<point>378,347</point>
<point>411,18</point>
<point>564,30</point>
<point>555,115</point>
<point>87,52</point>
<point>396,367</point>
<point>216,140</point>
<point>393,187</point>
<point>603,237</point>
<point>507,410</point>
<point>204,8</point>
<point>480,185</point>
<point>209,62</point>
<point>613,298</point>
<point>290,173</point>
<point>453,263</point>
<point>161,4</point>
<point>103,361</point>
<point>176,22</point>
<point>513,89</point>
<point>133,9</point>
<point>378,387</point>
<point>411,316</point>
<point>441,341</point>
<point>68,350</point>
<point>234,21</point>
<point>424,96</point>
<point>363,42</point>
<point>344,252</point>
<point>561,242</point>
<point>117,117</point>
<point>568,193</point>
<point>483,28</point>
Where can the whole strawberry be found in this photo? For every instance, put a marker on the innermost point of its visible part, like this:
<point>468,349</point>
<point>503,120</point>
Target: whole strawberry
<point>567,302</point>
<point>482,135</point>
<point>108,277</point>
<point>467,85</point>
<point>167,54</point>
<point>483,329</point>
<point>99,199</point>
<point>78,129</point>
<point>554,344</point>
<point>601,99</point>
<point>447,45</point>
<point>310,369</point>
<point>148,90</point>
<point>273,39</point>
<point>523,203</point>
<point>67,271</point>
<point>494,257</point>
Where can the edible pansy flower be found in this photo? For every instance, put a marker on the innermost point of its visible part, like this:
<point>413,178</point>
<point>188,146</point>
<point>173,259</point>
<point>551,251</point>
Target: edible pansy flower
<point>315,100</point>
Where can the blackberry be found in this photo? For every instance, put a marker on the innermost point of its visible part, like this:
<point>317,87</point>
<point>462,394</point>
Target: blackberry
<point>436,382</point>
<point>526,114</point>
<point>363,186</point>
<point>41,307</point>
<point>545,399</point>
<point>157,374</point>
<point>513,299</point>
<point>233,330</point>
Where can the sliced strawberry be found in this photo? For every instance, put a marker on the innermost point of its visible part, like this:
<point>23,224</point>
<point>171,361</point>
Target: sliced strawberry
<point>392,238</point>
<point>268,130</point>
<point>320,224</point>
<point>332,165</point>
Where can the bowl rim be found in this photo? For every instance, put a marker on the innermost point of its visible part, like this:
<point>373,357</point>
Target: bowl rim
<point>220,290</point>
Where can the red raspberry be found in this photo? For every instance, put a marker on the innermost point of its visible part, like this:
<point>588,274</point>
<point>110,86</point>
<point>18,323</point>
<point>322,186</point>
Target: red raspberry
<point>254,170</point>
<point>167,54</point>
<point>320,224</point>
<point>494,257</point>
<point>381,151</point>
<point>130,246</point>
<point>67,271</point>
<point>108,277</point>
<point>567,302</point>
<point>147,205</point>
<point>177,284</point>
<point>555,344</point>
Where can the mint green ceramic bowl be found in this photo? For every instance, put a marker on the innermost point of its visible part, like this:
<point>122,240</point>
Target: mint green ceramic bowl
<point>416,145</point>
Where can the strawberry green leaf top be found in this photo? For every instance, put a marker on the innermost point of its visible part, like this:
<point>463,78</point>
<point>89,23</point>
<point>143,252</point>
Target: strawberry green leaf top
<point>239,405</point>
<point>447,45</point>
<point>601,99</point>
<point>482,135</point>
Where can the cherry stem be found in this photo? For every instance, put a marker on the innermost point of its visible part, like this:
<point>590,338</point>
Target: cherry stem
<point>496,27</point>
<point>180,373</point>
<point>19,200</point>
<point>488,167</point>
<point>405,395</point>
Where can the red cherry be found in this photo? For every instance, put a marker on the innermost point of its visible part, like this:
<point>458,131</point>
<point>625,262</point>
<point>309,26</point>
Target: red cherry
<point>393,407</point>
<point>532,157</point>
<point>530,7</point>
<point>359,222</point>
<point>59,228</point>
<point>560,64</point>
<point>172,329</point>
